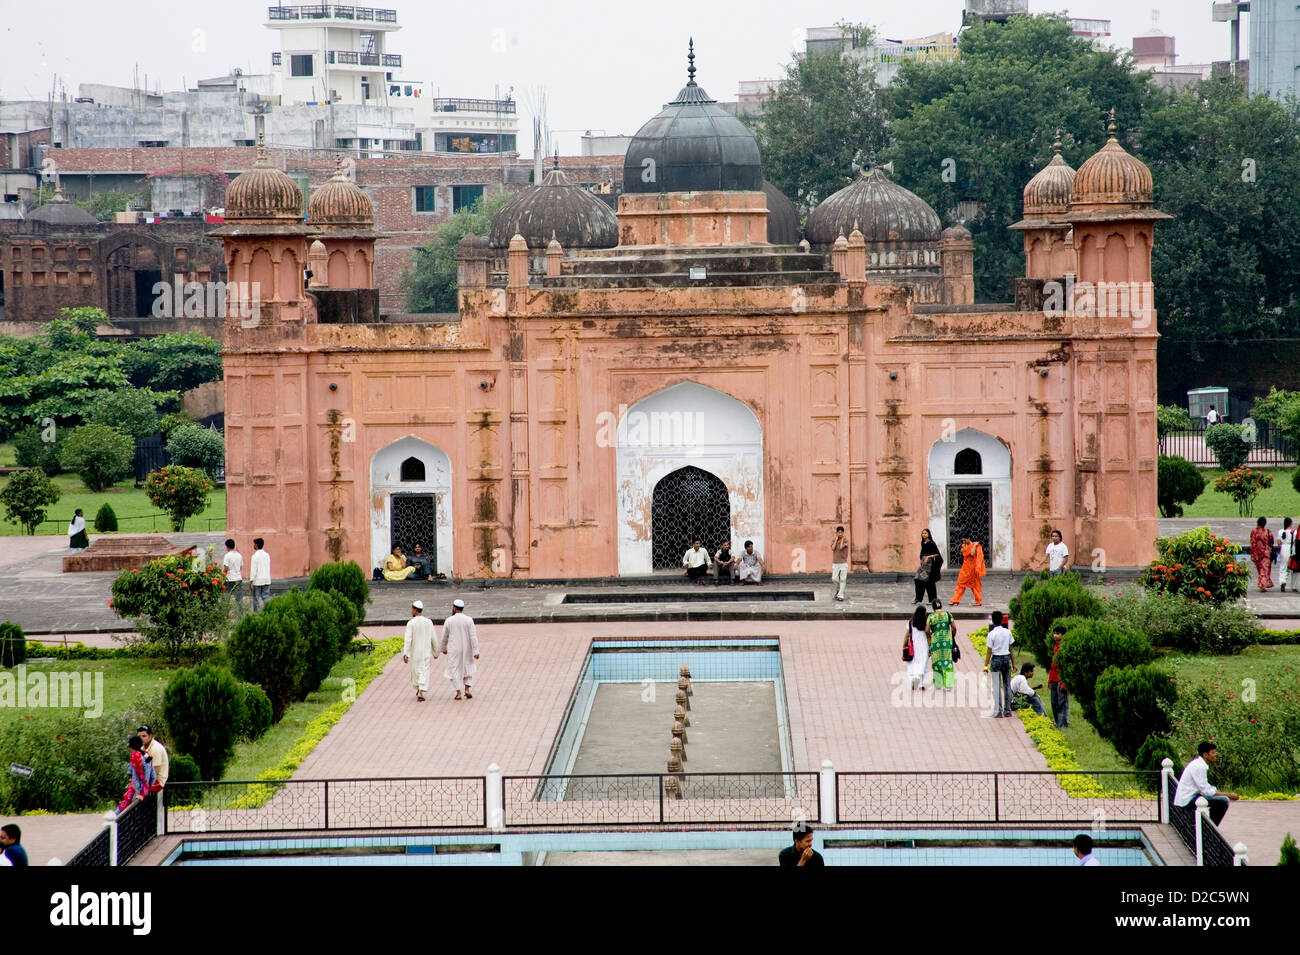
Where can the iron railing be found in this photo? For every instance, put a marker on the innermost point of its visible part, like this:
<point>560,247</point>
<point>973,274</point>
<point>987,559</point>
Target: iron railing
<point>457,104</point>
<point>433,802</point>
<point>157,522</point>
<point>1271,449</point>
<point>123,836</point>
<point>1215,849</point>
<point>331,11</point>
<point>981,797</point>
<point>632,799</point>
<point>96,852</point>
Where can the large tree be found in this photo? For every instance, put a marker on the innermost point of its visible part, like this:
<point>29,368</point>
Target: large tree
<point>972,132</point>
<point>823,115</point>
<point>430,282</point>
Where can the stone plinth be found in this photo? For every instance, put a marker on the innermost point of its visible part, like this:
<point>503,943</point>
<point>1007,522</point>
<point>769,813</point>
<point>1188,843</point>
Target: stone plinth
<point>692,218</point>
<point>123,552</point>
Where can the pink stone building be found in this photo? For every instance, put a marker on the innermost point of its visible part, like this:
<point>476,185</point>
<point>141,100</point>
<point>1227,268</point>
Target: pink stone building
<point>596,406</point>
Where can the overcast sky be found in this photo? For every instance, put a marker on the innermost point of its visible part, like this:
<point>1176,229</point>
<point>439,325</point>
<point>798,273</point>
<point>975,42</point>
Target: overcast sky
<point>607,65</point>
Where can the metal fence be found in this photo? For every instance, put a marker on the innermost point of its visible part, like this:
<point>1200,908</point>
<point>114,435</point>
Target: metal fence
<point>158,522</point>
<point>661,799</point>
<point>123,835</point>
<point>434,802</point>
<point>97,852</point>
<point>983,797</point>
<point>1271,449</point>
<point>1206,842</point>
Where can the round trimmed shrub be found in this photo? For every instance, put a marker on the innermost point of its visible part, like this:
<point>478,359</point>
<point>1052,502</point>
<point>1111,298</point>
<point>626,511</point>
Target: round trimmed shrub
<point>321,616</point>
<point>194,446</point>
<point>1198,565</point>
<point>1295,480</point>
<point>105,519</point>
<point>267,648</point>
<point>13,645</point>
<point>1229,444</point>
<point>100,454</point>
<point>1179,482</point>
<point>1131,703</point>
<point>257,713</point>
<point>203,707</point>
<point>1042,602</point>
<point>1091,647</point>
<point>1152,754</point>
<point>348,580</point>
<point>26,495</point>
<point>183,769</point>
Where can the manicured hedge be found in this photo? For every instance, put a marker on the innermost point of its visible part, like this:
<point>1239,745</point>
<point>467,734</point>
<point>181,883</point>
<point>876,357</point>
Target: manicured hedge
<point>1090,647</point>
<point>1131,703</point>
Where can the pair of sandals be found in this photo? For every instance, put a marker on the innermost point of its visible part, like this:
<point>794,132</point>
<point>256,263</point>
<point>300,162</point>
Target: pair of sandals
<point>468,695</point>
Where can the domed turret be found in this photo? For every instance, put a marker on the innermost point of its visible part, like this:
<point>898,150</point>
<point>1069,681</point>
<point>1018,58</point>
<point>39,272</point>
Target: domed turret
<point>1048,193</point>
<point>782,217</point>
<point>883,210</point>
<point>60,212</point>
<point>1112,179</point>
<point>555,209</point>
<point>263,192</point>
<point>693,145</point>
<point>340,202</point>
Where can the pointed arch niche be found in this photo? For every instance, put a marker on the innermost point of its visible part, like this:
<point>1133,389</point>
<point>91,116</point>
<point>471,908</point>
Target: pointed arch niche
<point>413,469</point>
<point>970,489</point>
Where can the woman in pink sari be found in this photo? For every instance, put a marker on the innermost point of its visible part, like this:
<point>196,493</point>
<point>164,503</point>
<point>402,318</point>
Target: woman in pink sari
<point>1261,553</point>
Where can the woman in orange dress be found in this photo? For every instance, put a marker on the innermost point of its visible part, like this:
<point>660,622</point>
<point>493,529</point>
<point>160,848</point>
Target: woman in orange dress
<point>971,574</point>
<point>1261,553</point>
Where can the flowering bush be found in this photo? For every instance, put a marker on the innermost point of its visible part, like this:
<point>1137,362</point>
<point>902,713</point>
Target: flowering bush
<point>1255,728</point>
<point>1198,565</point>
<point>1242,485</point>
<point>176,605</point>
<point>181,492</point>
<point>1180,623</point>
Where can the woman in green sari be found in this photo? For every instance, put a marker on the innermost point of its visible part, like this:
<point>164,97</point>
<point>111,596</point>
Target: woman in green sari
<point>941,632</point>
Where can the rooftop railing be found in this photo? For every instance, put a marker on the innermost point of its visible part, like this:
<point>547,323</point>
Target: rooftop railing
<point>332,11</point>
<point>449,104</point>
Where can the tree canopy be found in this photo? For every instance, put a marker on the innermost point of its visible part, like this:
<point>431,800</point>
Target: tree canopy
<point>430,282</point>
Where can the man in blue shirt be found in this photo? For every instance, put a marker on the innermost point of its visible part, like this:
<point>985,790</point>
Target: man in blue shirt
<point>11,842</point>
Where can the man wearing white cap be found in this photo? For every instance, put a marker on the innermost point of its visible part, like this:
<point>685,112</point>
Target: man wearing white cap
<point>460,643</point>
<point>417,649</point>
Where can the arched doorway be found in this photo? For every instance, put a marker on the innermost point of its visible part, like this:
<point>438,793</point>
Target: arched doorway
<point>716,442</point>
<point>970,496</point>
<point>410,494</point>
<point>687,504</point>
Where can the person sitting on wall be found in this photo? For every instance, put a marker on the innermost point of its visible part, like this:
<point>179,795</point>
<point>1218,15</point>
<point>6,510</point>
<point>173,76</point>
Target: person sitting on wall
<point>749,566</point>
<point>422,564</point>
<point>395,565</point>
<point>725,562</point>
<point>697,562</point>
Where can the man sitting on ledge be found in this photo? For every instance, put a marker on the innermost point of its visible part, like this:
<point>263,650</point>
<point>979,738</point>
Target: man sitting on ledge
<point>749,565</point>
<point>697,562</point>
<point>1195,782</point>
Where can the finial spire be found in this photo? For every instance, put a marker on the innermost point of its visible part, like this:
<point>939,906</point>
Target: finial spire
<point>1056,145</point>
<point>690,61</point>
<point>1110,128</point>
<point>261,148</point>
<point>556,161</point>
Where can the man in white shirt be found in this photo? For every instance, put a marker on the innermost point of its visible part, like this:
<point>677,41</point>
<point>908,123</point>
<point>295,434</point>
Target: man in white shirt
<point>1083,850</point>
<point>259,575</point>
<point>1058,555</point>
<point>697,562</point>
<point>999,659</point>
<point>1195,781</point>
<point>1020,688</point>
<point>234,564</point>
<point>1211,417</point>
<point>157,752</point>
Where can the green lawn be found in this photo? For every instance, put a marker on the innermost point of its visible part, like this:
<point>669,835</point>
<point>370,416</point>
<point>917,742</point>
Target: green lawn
<point>125,681</point>
<point>1278,501</point>
<point>135,515</point>
<point>1250,663</point>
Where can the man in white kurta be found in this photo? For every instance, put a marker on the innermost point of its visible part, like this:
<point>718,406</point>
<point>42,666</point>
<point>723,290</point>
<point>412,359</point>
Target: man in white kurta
<point>417,648</point>
<point>460,643</point>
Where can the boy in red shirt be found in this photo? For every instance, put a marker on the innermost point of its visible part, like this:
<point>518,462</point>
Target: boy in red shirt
<point>1060,698</point>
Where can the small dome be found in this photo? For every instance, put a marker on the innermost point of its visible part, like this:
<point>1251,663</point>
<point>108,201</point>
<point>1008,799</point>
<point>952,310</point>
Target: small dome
<point>1048,193</point>
<point>693,145</point>
<point>883,210</point>
<point>340,202</point>
<point>782,217</point>
<point>59,211</point>
<point>957,233</point>
<point>1112,177</point>
<point>263,192</point>
<point>576,218</point>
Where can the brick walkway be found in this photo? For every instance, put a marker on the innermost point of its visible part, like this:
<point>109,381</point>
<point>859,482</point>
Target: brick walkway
<point>61,837</point>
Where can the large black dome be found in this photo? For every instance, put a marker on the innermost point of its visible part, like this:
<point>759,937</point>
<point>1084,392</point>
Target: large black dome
<point>693,145</point>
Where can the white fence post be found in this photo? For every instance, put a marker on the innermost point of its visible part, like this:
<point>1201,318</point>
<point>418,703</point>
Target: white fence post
<point>1202,813</point>
<point>110,820</point>
<point>1239,856</point>
<point>828,793</point>
<point>1166,774</point>
<point>160,823</point>
<point>494,797</point>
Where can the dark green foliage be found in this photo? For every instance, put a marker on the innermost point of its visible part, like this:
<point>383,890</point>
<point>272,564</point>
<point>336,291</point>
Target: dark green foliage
<point>173,362</point>
<point>1042,600</point>
<point>1179,482</point>
<point>13,645</point>
<point>1229,445</point>
<point>430,283</point>
<point>1152,753</point>
<point>105,519</point>
<point>1290,852</point>
<point>321,616</point>
<point>203,708</point>
<point>267,649</point>
<point>1130,704</point>
<point>1172,418</point>
<point>31,450</point>
<point>348,580</point>
<point>1295,480</point>
<point>175,419</point>
<point>133,411</point>
<point>193,446</point>
<point>183,769</point>
<point>257,713</point>
<point>26,495</point>
<point>100,454</point>
<point>1091,647</point>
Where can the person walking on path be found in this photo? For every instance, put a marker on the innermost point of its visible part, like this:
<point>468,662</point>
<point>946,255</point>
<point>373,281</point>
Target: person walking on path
<point>972,572</point>
<point>928,572</point>
<point>919,666</point>
<point>460,643</point>
<point>233,562</point>
<point>417,649</point>
<point>259,574</point>
<point>840,562</point>
<point>941,637</point>
<point>1290,557</point>
<point>77,539</point>
<point>11,841</point>
<point>1195,781</point>
<point>1261,553</point>
<point>1282,552</point>
<point>1057,555</point>
<point>1060,697</point>
<point>999,659</point>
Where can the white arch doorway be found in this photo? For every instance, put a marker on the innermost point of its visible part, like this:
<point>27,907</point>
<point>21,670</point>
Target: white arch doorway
<point>410,499</point>
<point>686,426</point>
<point>970,495</point>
